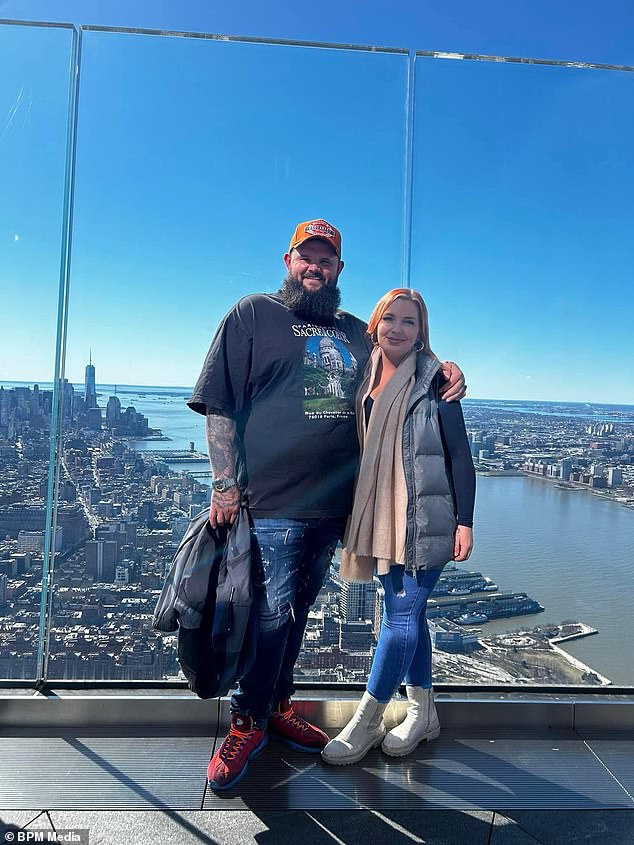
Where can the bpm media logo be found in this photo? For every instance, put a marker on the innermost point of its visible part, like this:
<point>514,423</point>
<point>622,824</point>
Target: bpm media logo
<point>78,836</point>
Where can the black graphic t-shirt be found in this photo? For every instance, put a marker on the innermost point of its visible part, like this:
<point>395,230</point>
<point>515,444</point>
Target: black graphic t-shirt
<point>290,386</point>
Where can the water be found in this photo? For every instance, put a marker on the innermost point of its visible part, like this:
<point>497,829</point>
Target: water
<point>169,413</point>
<point>570,550</point>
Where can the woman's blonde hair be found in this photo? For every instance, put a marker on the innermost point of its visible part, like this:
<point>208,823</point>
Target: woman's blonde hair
<point>390,297</point>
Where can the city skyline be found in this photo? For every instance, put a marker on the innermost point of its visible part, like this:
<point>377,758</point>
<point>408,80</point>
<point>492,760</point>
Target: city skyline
<point>112,388</point>
<point>521,238</point>
<point>124,504</point>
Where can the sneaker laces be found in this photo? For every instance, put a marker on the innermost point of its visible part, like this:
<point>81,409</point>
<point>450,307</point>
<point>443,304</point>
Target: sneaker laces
<point>291,716</point>
<point>232,746</point>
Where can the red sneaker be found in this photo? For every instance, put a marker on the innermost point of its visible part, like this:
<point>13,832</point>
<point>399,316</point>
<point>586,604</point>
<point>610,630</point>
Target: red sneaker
<point>294,731</point>
<point>243,742</point>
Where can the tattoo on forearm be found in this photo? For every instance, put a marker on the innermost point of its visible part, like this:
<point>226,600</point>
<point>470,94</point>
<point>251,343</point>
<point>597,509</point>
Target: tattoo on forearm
<point>221,435</point>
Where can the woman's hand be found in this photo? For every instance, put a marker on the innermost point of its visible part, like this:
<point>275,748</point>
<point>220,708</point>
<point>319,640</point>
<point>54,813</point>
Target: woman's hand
<point>462,542</point>
<point>455,389</point>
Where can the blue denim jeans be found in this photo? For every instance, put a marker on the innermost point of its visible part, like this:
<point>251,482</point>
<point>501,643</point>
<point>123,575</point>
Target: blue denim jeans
<point>404,648</point>
<point>290,559</point>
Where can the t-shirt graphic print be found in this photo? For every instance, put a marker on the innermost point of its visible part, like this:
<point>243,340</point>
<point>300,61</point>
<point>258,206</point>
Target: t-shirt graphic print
<point>329,373</point>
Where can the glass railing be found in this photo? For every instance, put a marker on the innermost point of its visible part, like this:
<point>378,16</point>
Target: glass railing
<point>522,246</point>
<point>35,79</point>
<point>496,189</point>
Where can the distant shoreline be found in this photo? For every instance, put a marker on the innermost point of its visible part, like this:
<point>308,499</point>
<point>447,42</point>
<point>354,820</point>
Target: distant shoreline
<point>567,486</point>
<point>47,384</point>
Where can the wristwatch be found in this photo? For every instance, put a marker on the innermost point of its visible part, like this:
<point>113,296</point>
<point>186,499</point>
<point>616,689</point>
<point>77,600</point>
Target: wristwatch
<point>223,484</point>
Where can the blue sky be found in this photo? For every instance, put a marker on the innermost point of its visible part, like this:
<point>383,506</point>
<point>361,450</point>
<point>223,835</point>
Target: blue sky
<point>196,159</point>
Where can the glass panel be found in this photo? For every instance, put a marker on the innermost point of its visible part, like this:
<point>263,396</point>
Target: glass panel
<point>34,79</point>
<point>523,250</point>
<point>196,160</point>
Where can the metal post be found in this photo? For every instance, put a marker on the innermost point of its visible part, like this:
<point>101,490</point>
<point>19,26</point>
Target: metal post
<point>55,453</point>
<point>408,182</point>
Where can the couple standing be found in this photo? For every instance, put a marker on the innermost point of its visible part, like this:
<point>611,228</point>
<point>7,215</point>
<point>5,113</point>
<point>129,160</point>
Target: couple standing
<point>290,387</point>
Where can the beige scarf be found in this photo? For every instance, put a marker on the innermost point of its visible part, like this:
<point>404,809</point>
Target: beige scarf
<point>376,530</point>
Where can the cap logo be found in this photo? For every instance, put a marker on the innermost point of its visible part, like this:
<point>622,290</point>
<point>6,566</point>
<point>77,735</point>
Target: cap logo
<point>318,228</point>
<point>321,228</point>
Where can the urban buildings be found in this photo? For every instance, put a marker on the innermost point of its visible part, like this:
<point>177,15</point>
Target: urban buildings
<point>122,513</point>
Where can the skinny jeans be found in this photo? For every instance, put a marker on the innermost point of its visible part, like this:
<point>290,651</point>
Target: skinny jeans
<point>403,652</point>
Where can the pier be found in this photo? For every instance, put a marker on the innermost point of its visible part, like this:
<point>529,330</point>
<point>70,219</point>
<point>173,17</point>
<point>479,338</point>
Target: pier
<point>174,455</point>
<point>582,630</point>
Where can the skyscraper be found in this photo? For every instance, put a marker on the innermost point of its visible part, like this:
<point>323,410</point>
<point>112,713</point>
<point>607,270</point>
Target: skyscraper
<point>101,559</point>
<point>113,411</point>
<point>357,601</point>
<point>615,476</point>
<point>565,468</point>
<point>90,392</point>
<point>68,400</point>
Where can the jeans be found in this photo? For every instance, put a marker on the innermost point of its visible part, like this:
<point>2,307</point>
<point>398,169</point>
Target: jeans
<point>290,559</point>
<point>404,648</point>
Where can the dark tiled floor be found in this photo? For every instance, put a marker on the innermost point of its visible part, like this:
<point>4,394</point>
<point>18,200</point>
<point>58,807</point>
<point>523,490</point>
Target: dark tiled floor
<point>324,827</point>
<point>103,772</point>
<point>570,827</point>
<point>274,827</point>
<point>516,771</point>
<point>517,788</point>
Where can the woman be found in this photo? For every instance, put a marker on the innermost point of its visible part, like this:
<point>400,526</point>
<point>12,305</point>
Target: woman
<point>412,513</point>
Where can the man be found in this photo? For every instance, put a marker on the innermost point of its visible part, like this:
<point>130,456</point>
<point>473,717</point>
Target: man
<point>277,388</point>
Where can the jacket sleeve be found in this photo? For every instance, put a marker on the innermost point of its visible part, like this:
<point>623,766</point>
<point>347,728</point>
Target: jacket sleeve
<point>458,455</point>
<point>192,554</point>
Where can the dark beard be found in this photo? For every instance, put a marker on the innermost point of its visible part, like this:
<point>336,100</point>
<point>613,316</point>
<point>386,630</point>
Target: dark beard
<point>317,306</point>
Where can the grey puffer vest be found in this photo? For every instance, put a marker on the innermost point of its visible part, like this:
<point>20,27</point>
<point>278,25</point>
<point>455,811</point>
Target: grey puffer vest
<point>431,517</point>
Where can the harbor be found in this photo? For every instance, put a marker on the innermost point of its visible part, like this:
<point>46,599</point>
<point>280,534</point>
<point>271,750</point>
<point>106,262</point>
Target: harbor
<point>463,600</point>
<point>470,598</point>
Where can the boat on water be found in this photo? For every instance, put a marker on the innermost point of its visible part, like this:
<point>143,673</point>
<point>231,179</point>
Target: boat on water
<point>459,591</point>
<point>504,606</point>
<point>495,607</point>
<point>471,619</point>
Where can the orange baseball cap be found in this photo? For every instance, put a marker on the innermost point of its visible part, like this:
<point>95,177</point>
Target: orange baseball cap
<point>317,229</point>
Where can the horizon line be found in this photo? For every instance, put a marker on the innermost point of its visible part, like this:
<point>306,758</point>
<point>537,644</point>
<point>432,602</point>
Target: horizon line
<point>120,385</point>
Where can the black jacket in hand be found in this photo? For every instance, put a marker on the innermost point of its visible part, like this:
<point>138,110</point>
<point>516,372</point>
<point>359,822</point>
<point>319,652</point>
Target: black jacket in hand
<point>208,598</point>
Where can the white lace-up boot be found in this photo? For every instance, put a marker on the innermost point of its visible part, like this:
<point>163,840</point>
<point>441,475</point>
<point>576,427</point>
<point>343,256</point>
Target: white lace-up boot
<point>364,731</point>
<point>421,723</point>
